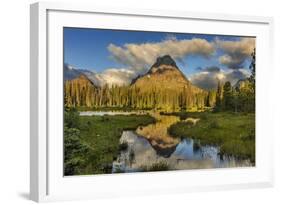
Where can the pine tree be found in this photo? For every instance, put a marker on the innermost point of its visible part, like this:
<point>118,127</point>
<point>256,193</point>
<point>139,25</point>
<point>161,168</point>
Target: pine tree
<point>227,101</point>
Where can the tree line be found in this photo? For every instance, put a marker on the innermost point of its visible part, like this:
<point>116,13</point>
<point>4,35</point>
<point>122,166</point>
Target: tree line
<point>86,95</point>
<point>225,98</point>
<point>239,98</point>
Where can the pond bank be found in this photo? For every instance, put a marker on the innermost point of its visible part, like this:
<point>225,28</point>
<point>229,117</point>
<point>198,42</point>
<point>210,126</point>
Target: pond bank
<point>148,141</point>
<point>102,134</point>
<point>233,132</point>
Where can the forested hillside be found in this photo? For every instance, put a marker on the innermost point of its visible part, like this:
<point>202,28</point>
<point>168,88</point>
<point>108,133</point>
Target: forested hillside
<point>163,87</point>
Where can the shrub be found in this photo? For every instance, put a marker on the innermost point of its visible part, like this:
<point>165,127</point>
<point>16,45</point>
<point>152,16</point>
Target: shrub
<point>74,152</point>
<point>71,118</point>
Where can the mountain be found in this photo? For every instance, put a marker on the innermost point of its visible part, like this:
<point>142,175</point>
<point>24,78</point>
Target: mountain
<point>242,83</point>
<point>96,79</point>
<point>70,72</point>
<point>163,87</point>
<point>164,74</point>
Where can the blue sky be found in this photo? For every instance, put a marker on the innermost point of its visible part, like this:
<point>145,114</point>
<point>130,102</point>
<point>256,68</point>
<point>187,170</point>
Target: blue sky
<point>98,50</point>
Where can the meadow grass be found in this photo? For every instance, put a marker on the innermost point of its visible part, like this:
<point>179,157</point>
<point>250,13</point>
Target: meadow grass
<point>233,132</point>
<point>102,134</point>
<point>156,166</point>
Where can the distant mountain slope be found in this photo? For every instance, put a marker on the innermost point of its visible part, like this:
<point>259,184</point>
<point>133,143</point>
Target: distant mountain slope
<point>70,72</point>
<point>242,84</point>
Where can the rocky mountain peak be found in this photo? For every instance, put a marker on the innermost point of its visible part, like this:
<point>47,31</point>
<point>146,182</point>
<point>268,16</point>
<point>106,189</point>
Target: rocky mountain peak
<point>165,60</point>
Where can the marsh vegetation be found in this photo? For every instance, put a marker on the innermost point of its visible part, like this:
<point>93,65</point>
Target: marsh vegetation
<point>234,133</point>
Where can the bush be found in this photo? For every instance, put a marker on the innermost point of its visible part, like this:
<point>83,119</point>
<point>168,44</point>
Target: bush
<point>71,118</point>
<point>74,152</point>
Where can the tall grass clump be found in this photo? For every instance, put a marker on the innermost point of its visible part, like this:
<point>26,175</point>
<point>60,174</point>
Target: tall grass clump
<point>156,166</point>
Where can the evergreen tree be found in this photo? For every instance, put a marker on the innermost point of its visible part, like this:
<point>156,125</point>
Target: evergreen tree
<point>219,96</point>
<point>227,102</point>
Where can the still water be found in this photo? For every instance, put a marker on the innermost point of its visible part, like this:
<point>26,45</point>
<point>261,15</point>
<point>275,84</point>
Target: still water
<point>140,153</point>
<point>152,144</point>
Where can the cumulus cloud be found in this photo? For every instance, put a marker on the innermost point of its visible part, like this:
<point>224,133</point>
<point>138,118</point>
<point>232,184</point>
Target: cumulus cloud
<point>141,56</point>
<point>236,52</point>
<point>208,78</point>
<point>112,76</point>
<point>137,58</point>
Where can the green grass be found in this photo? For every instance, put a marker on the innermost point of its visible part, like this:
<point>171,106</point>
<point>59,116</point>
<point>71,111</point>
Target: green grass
<point>156,166</point>
<point>102,134</point>
<point>233,132</point>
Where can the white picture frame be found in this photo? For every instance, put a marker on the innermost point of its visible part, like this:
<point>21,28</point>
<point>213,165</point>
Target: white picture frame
<point>47,182</point>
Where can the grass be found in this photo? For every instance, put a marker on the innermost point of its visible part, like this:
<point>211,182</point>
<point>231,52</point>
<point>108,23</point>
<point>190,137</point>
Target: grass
<point>233,132</point>
<point>156,166</point>
<point>102,134</point>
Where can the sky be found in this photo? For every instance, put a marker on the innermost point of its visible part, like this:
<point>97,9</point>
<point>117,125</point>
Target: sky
<point>116,56</point>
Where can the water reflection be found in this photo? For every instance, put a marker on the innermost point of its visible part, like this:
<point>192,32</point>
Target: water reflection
<point>153,144</point>
<point>158,136</point>
<point>140,153</point>
<point>102,113</point>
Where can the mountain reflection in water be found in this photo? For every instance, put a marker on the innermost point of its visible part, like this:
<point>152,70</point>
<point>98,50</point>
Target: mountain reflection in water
<point>152,144</point>
<point>158,136</point>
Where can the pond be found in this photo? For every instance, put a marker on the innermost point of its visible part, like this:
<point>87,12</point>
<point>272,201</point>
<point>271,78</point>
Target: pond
<point>141,154</point>
<point>151,146</point>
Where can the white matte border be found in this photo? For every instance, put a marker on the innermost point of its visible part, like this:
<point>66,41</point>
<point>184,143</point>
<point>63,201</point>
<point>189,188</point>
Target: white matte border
<point>59,187</point>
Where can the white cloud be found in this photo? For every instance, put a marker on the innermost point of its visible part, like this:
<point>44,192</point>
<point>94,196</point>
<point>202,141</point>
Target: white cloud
<point>112,76</point>
<point>141,56</point>
<point>236,52</point>
<point>209,79</point>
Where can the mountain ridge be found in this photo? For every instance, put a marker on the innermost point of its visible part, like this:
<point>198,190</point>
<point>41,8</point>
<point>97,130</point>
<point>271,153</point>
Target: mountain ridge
<point>163,87</point>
